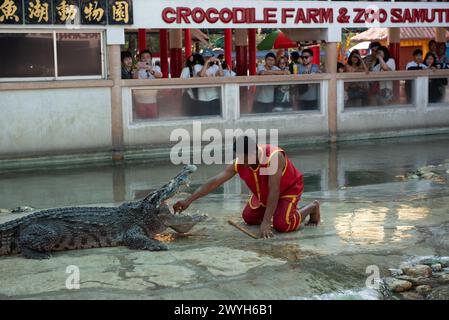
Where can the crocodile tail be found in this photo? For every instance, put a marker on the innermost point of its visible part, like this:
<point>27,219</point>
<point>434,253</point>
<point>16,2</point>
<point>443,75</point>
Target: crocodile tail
<point>9,237</point>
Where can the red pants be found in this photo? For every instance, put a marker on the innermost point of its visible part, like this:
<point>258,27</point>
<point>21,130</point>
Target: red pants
<point>286,217</point>
<point>146,110</point>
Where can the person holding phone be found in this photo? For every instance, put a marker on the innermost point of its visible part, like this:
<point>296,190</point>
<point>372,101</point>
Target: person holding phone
<point>145,67</point>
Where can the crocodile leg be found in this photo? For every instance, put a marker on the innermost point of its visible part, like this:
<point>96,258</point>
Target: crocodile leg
<point>135,238</point>
<point>37,240</point>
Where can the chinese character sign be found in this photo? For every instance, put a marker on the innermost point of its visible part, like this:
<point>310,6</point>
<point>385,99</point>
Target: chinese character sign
<point>66,11</point>
<point>11,12</point>
<point>120,12</point>
<point>38,12</point>
<point>93,11</point>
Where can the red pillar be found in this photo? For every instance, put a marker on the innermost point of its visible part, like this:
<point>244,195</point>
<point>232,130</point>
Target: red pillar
<point>241,56</point>
<point>228,47</point>
<point>395,49</point>
<point>252,51</point>
<point>188,43</point>
<point>176,62</point>
<point>316,54</point>
<point>163,43</point>
<point>142,39</point>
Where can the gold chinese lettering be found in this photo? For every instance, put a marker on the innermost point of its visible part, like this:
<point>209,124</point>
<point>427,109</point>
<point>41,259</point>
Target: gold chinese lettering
<point>38,10</point>
<point>93,12</point>
<point>120,11</point>
<point>8,10</point>
<point>66,12</point>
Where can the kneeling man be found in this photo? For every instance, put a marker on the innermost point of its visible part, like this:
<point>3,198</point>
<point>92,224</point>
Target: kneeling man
<point>276,185</point>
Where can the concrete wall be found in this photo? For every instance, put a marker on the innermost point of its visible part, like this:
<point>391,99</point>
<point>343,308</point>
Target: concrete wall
<point>54,120</point>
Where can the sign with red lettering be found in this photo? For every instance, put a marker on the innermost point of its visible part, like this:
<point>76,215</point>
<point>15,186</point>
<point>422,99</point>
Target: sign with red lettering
<point>288,14</point>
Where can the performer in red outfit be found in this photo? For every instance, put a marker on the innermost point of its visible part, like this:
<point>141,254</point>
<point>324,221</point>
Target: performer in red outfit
<point>275,183</point>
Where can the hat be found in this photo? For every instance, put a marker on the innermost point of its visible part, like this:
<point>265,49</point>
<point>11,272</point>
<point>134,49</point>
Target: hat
<point>208,53</point>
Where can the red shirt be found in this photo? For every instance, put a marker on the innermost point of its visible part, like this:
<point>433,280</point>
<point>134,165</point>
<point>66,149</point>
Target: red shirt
<point>291,181</point>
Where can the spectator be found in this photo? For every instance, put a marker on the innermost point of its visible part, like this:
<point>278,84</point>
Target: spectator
<point>127,65</point>
<point>190,96</point>
<point>443,59</point>
<point>209,98</point>
<point>295,62</point>
<point>357,91</point>
<point>415,64</point>
<point>279,54</point>
<point>340,67</point>
<point>433,47</point>
<point>370,60</point>
<point>264,98</point>
<point>145,67</point>
<point>308,94</point>
<point>282,93</point>
<point>227,72</point>
<point>384,94</point>
<point>437,87</point>
<point>356,63</point>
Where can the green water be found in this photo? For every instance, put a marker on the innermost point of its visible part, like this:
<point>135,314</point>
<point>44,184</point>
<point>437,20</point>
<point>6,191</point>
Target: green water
<point>369,217</point>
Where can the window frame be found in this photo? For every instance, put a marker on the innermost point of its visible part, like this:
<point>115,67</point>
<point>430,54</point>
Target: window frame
<point>55,55</point>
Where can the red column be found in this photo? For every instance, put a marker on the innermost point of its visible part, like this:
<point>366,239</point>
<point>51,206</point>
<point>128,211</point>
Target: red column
<point>395,49</point>
<point>241,51</point>
<point>316,54</point>
<point>142,39</point>
<point>228,47</point>
<point>175,53</point>
<point>163,43</point>
<point>188,42</point>
<point>252,51</point>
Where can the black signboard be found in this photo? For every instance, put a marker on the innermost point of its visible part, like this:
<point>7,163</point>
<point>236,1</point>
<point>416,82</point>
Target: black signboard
<point>38,11</point>
<point>94,12</point>
<point>85,12</point>
<point>11,12</point>
<point>120,12</point>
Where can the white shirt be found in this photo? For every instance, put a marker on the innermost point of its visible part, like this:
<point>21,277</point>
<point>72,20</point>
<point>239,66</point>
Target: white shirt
<point>207,94</point>
<point>229,73</point>
<point>144,74</point>
<point>265,94</point>
<point>413,64</point>
<point>377,68</point>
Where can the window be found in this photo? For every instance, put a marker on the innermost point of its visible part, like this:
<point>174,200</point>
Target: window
<point>26,55</point>
<point>34,55</point>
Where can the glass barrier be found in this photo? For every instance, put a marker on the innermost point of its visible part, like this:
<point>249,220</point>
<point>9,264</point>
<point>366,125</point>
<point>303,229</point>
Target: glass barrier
<point>268,98</point>
<point>176,103</point>
<point>379,93</point>
<point>438,91</point>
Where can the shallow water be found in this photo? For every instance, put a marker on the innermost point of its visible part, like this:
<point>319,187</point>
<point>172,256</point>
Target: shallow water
<point>369,217</point>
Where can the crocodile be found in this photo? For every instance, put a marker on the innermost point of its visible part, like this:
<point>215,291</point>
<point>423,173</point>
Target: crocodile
<point>132,224</point>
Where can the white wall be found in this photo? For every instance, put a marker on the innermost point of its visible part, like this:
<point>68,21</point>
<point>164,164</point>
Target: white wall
<point>54,120</point>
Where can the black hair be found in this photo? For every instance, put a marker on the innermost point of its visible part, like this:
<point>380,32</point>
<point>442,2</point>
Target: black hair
<point>386,54</point>
<point>435,60</point>
<point>307,51</point>
<point>270,55</point>
<point>432,42</point>
<point>294,55</point>
<point>354,52</point>
<point>198,59</point>
<point>146,51</point>
<point>247,142</point>
<point>220,56</point>
<point>124,55</point>
<point>224,65</point>
<point>375,44</point>
<point>340,65</point>
<point>417,52</point>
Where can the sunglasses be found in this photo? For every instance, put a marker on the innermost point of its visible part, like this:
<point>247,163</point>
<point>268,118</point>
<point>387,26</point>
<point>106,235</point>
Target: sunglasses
<point>305,57</point>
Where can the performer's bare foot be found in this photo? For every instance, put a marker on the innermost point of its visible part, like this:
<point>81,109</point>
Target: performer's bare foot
<point>315,215</point>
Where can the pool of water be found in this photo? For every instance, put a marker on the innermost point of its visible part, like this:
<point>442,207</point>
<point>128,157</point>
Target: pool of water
<point>370,217</point>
